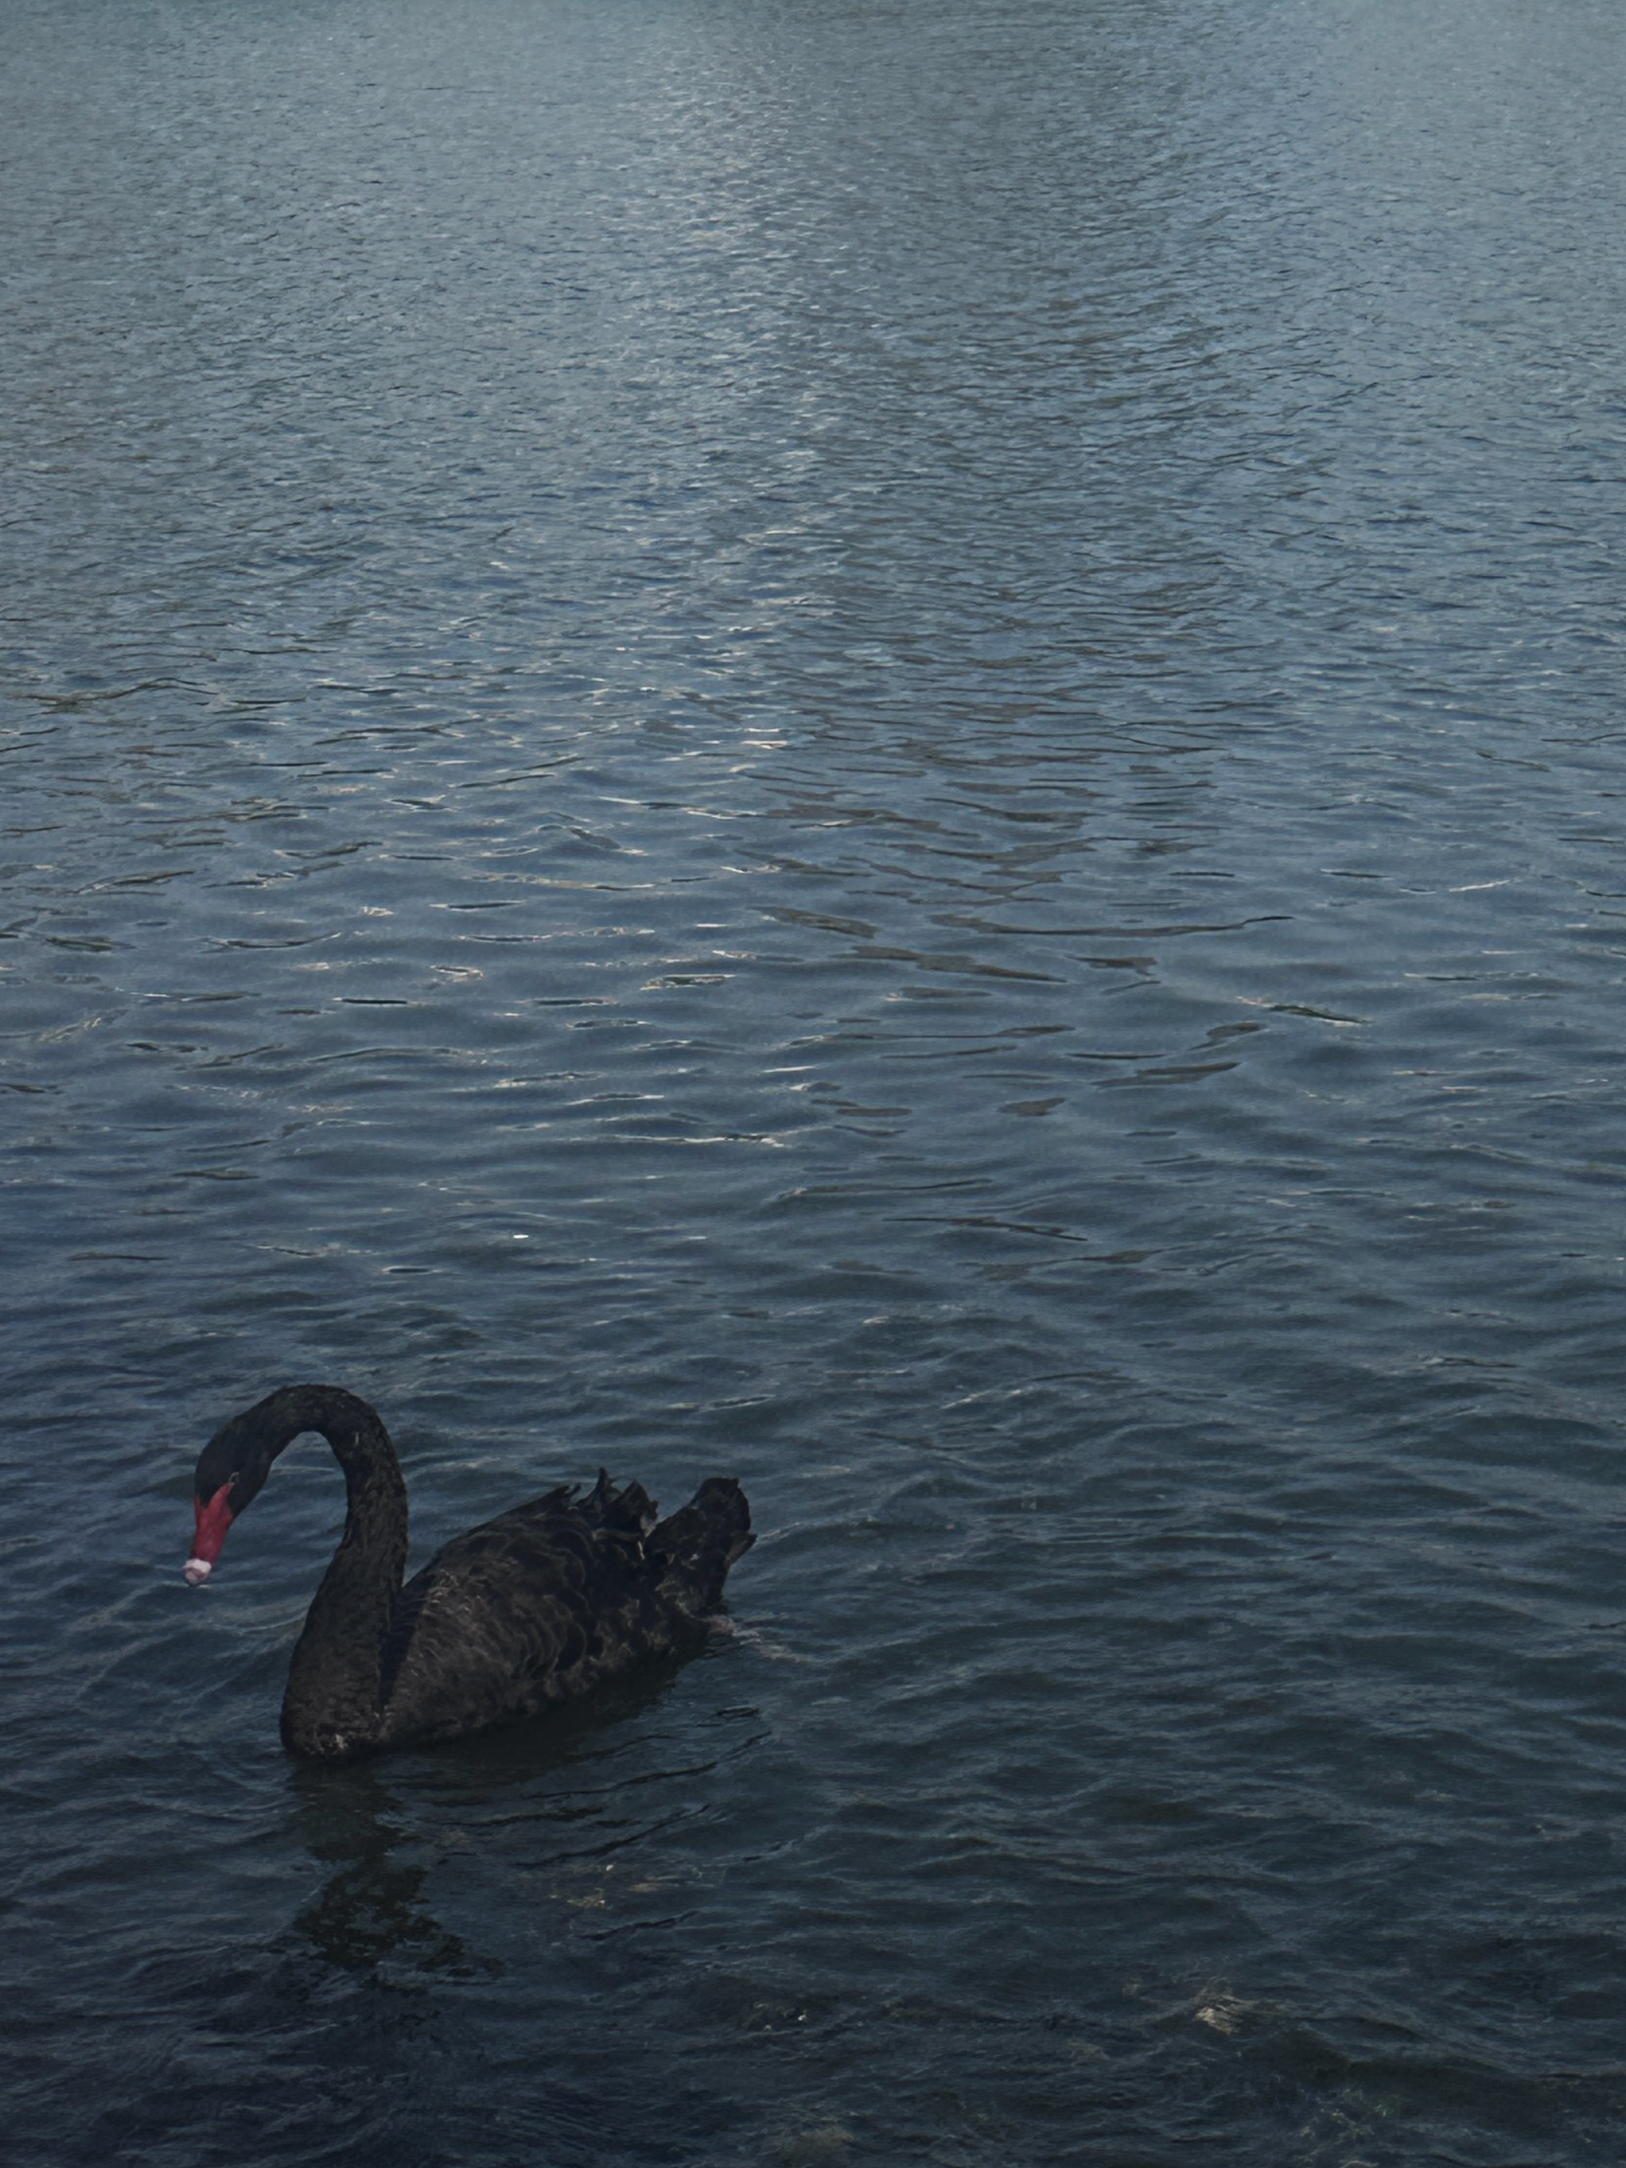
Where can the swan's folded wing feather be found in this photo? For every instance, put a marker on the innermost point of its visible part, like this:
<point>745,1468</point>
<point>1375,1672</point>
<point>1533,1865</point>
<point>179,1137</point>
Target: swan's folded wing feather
<point>528,1610</point>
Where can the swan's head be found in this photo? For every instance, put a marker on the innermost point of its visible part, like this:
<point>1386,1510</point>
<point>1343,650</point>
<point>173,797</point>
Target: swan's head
<point>230,1470</point>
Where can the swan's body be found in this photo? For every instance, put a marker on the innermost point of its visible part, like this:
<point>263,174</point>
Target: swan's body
<point>528,1610</point>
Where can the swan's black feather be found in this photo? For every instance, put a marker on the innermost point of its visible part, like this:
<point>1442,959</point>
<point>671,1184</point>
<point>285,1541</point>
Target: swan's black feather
<point>531,1609</point>
<point>528,1610</point>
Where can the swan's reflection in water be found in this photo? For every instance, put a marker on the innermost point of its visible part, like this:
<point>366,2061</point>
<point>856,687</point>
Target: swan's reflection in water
<point>378,1828</point>
<point>511,1919</point>
<point>369,1911</point>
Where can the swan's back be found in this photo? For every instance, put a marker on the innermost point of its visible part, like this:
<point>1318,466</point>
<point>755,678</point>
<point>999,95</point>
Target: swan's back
<point>550,1600</point>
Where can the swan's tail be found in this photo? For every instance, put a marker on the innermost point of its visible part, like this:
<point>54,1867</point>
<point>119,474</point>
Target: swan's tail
<point>695,1546</point>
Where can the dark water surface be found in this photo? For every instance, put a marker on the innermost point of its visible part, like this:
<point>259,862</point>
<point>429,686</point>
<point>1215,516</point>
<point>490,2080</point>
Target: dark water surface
<point>879,746</point>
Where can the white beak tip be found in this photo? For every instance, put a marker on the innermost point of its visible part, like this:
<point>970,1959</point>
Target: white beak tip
<point>197,1571</point>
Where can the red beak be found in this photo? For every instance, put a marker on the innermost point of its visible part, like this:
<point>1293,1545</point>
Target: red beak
<point>213,1519</point>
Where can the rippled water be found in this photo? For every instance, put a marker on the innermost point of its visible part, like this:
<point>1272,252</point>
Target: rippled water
<point>878,746</point>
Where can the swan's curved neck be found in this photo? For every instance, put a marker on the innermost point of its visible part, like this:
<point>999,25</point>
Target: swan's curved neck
<point>332,1703</point>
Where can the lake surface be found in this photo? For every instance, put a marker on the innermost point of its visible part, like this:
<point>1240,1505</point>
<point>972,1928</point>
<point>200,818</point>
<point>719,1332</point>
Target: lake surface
<point>879,747</point>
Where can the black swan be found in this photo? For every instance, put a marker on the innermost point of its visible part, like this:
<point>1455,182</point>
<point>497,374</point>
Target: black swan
<point>527,1610</point>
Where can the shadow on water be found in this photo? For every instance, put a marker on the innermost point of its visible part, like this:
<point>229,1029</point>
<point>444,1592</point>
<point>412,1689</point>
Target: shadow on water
<point>369,1910</point>
<point>364,1825</point>
<point>445,1960</point>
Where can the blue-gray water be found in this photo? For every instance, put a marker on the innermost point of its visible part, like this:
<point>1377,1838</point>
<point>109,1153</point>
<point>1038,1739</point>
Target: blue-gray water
<point>877,745</point>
